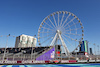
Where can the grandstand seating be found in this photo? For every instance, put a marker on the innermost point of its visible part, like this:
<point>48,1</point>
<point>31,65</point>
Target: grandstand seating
<point>27,50</point>
<point>23,53</point>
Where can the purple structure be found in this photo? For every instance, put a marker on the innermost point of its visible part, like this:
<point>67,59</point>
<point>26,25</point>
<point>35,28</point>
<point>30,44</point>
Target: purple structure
<point>49,55</point>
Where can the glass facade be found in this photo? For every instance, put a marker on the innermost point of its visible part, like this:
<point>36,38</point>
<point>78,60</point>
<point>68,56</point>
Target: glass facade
<point>84,46</point>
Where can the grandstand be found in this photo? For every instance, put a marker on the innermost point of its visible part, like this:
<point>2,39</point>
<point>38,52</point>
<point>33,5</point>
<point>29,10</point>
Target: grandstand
<point>25,53</point>
<point>47,54</point>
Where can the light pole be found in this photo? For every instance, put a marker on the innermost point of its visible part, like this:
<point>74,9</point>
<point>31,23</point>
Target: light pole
<point>0,36</point>
<point>32,48</point>
<point>76,48</point>
<point>94,48</point>
<point>0,42</point>
<point>98,49</point>
<point>5,47</point>
<point>31,53</point>
<point>98,52</point>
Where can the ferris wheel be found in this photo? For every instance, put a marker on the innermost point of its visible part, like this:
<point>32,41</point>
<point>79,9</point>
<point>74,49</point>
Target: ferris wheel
<point>60,27</point>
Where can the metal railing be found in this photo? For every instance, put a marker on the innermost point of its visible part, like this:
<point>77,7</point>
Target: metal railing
<point>28,57</point>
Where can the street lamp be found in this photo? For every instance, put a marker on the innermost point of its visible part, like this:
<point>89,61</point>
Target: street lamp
<point>98,49</point>
<point>94,48</point>
<point>76,48</point>
<point>1,36</point>
<point>5,47</point>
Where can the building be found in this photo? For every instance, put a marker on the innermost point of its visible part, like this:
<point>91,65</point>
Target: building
<point>25,41</point>
<point>84,46</point>
<point>91,51</point>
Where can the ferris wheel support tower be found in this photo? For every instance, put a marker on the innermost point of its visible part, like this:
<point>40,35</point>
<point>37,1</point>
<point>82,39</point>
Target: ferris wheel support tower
<point>58,36</point>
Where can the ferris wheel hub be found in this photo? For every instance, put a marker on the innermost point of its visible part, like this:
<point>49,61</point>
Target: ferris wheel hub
<point>58,31</point>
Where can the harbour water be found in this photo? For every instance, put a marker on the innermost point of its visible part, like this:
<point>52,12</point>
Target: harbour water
<point>55,65</point>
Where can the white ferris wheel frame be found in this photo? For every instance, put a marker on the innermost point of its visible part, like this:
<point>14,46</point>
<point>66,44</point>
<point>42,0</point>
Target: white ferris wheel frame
<point>64,24</point>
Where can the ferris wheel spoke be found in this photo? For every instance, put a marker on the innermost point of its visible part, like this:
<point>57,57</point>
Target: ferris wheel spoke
<point>62,18</point>
<point>66,19</point>
<point>71,25</point>
<point>42,33</point>
<point>45,32</point>
<point>51,22</point>
<point>54,20</point>
<point>73,34</point>
<point>46,40</point>
<point>46,36</point>
<point>47,28</point>
<point>69,28</point>
<point>58,18</point>
<point>67,41</point>
<point>49,42</point>
<point>68,37</point>
<point>73,29</point>
<point>48,25</point>
<point>70,21</point>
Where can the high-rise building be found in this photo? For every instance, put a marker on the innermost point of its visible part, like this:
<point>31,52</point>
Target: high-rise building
<point>91,51</point>
<point>84,46</point>
<point>25,41</point>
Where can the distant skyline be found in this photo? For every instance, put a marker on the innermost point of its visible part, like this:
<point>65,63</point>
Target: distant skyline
<point>24,17</point>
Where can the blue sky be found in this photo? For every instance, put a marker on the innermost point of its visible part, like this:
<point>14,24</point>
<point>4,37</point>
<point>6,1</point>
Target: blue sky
<point>24,17</point>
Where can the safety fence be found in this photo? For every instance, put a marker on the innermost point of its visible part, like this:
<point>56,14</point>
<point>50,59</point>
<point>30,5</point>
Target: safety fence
<point>48,62</point>
<point>26,57</point>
